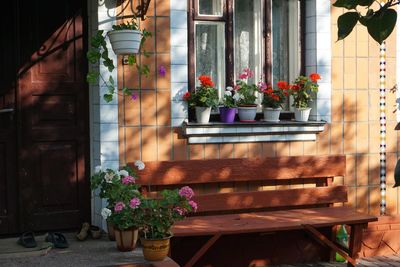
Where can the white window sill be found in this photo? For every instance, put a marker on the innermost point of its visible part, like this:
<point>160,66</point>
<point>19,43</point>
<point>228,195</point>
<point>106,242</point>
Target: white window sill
<point>260,131</point>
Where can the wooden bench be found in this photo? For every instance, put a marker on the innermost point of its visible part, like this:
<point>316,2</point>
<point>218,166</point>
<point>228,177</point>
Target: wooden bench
<point>303,199</point>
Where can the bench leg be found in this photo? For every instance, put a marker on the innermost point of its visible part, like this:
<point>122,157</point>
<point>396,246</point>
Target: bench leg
<point>355,242</point>
<point>202,250</point>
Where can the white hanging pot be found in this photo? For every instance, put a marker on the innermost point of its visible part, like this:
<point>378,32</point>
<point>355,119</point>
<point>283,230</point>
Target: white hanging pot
<point>203,114</point>
<point>247,113</point>
<point>125,41</point>
<point>301,114</point>
<point>272,114</point>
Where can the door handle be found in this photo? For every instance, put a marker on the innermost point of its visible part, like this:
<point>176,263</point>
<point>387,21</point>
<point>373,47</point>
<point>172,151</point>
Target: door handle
<point>7,110</point>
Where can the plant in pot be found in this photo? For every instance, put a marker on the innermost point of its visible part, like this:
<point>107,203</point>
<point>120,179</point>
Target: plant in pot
<point>228,111</point>
<point>159,215</point>
<point>273,100</point>
<point>302,91</point>
<point>98,54</point>
<point>120,190</point>
<point>245,96</point>
<point>203,99</point>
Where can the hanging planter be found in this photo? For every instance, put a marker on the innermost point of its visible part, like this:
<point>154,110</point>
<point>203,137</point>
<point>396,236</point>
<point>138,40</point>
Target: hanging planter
<point>125,42</point>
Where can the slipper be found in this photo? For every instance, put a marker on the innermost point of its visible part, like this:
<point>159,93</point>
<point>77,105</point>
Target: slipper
<point>83,233</point>
<point>58,240</point>
<point>27,240</point>
<point>95,232</point>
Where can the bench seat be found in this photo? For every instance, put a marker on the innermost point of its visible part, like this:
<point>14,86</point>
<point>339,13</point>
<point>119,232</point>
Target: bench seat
<point>270,221</point>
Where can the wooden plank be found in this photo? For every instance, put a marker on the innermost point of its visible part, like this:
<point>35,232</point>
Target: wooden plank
<point>325,241</point>
<point>271,221</point>
<point>235,170</point>
<point>202,250</point>
<point>355,241</point>
<point>271,198</point>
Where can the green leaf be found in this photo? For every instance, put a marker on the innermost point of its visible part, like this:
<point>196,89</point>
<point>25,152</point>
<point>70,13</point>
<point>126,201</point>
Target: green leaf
<point>131,59</point>
<point>346,23</point>
<point>365,2</point>
<point>381,24</point>
<point>92,77</point>
<point>397,174</point>
<point>108,97</point>
<point>111,80</point>
<point>348,4</point>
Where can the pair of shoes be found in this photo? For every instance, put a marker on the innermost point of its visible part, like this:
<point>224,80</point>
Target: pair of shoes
<point>87,229</point>
<point>27,240</point>
<point>58,240</point>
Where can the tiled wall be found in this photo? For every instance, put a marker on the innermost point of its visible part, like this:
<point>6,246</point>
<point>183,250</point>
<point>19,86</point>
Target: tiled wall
<point>145,124</point>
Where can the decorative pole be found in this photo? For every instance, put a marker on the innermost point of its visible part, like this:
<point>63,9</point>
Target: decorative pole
<point>382,119</point>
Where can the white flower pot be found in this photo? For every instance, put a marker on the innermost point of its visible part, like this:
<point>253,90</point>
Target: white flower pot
<point>203,114</point>
<point>125,41</point>
<point>272,114</point>
<point>247,114</point>
<point>301,114</point>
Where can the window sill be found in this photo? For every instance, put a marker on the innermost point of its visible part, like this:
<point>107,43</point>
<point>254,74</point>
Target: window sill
<point>260,131</point>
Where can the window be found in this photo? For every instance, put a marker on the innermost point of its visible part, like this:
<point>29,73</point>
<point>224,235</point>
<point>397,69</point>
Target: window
<point>226,36</point>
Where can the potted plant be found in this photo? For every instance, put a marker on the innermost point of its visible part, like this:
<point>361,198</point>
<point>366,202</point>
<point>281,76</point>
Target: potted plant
<point>98,54</point>
<point>228,111</point>
<point>159,215</point>
<point>273,100</point>
<point>302,91</point>
<point>203,99</point>
<point>245,96</point>
<point>121,191</point>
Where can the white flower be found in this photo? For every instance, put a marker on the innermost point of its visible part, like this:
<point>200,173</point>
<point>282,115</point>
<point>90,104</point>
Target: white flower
<point>123,173</point>
<point>108,177</point>
<point>97,169</point>
<point>105,213</point>
<point>238,96</point>
<point>139,164</point>
<point>229,88</point>
<point>228,93</point>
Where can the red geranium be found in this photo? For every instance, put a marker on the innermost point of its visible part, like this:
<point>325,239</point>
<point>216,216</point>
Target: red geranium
<point>295,87</point>
<point>186,96</point>
<point>283,85</point>
<point>315,77</point>
<point>206,81</point>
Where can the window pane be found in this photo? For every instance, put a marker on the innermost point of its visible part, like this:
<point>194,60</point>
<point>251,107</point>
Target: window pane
<point>280,40</point>
<point>210,51</point>
<point>210,7</point>
<point>248,37</point>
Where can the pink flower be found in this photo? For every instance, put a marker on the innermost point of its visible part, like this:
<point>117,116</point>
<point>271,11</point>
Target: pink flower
<point>180,211</point>
<point>243,76</point>
<point>262,86</point>
<point>119,206</point>
<point>193,205</point>
<point>186,192</point>
<point>134,203</point>
<point>236,87</point>
<point>134,96</point>
<point>128,180</point>
<point>162,71</point>
<point>248,72</point>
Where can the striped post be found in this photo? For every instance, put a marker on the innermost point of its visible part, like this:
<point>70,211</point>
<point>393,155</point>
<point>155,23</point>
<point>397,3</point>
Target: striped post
<point>382,120</point>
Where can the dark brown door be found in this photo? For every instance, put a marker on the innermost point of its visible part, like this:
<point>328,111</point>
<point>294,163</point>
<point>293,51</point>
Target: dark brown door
<point>8,141</point>
<point>53,115</point>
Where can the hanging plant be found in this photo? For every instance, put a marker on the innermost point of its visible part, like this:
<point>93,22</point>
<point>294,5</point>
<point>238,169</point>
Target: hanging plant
<point>98,53</point>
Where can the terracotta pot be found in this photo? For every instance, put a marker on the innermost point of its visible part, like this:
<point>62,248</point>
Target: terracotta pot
<point>272,114</point>
<point>110,231</point>
<point>126,239</point>
<point>155,249</point>
<point>301,114</point>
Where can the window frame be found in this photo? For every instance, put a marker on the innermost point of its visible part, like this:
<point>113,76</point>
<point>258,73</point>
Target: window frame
<point>228,18</point>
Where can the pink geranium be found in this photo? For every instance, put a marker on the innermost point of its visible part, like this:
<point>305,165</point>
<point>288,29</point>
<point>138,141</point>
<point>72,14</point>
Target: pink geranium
<point>193,205</point>
<point>119,206</point>
<point>128,180</point>
<point>180,211</point>
<point>186,192</point>
<point>134,203</point>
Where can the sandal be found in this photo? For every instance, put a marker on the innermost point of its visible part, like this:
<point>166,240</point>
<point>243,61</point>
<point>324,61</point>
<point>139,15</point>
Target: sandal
<point>27,240</point>
<point>83,233</point>
<point>58,240</point>
<point>95,232</point>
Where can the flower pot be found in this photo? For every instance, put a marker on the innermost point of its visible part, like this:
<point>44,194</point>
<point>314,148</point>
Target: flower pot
<point>155,249</point>
<point>272,114</point>
<point>301,114</point>
<point>247,113</point>
<point>203,114</point>
<point>126,239</point>
<point>125,41</point>
<point>110,231</point>
<point>227,114</point>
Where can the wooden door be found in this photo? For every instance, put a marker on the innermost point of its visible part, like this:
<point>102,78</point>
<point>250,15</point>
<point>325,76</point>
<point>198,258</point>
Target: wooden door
<point>8,141</point>
<point>53,124</point>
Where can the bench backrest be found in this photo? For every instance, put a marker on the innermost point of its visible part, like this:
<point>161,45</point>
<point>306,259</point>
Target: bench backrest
<point>307,181</point>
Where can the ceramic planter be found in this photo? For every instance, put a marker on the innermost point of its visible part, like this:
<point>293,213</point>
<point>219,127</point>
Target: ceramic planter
<point>126,239</point>
<point>272,114</point>
<point>110,231</point>
<point>301,114</point>
<point>203,114</point>
<point>227,115</point>
<point>125,42</point>
<point>155,249</point>
<point>247,113</point>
